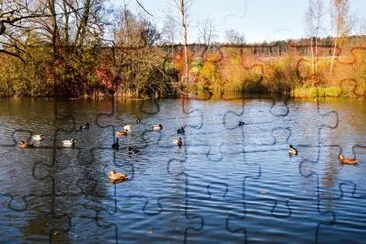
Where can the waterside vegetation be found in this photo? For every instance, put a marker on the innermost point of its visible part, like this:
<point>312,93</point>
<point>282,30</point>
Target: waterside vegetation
<point>58,49</point>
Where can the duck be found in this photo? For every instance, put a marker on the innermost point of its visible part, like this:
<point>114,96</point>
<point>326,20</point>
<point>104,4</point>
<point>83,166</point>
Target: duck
<point>241,123</point>
<point>116,177</point>
<point>40,137</point>
<point>132,150</point>
<point>82,127</point>
<point>138,121</point>
<point>23,144</point>
<point>178,141</point>
<point>86,126</point>
<point>292,151</point>
<point>158,127</point>
<point>127,128</point>
<point>344,160</point>
<point>115,145</point>
<point>69,143</point>
<point>121,133</point>
<point>181,130</point>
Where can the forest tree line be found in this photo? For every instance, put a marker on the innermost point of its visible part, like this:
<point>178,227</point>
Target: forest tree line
<point>59,48</point>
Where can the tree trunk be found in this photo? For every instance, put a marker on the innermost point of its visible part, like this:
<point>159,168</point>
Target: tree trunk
<point>316,55</point>
<point>55,33</point>
<point>312,54</point>
<point>333,56</point>
<point>186,72</point>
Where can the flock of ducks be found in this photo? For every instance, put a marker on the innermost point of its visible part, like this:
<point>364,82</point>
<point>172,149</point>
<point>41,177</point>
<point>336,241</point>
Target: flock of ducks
<point>113,176</point>
<point>116,177</point>
<point>292,151</point>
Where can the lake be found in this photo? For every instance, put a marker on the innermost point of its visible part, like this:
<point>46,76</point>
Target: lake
<point>227,183</point>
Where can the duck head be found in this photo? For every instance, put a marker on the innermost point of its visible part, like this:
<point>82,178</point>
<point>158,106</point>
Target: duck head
<point>340,156</point>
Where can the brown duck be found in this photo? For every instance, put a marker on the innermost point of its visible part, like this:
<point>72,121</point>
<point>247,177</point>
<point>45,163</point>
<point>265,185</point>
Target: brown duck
<point>344,160</point>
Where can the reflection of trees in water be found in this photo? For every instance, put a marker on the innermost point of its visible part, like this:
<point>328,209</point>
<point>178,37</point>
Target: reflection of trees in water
<point>42,213</point>
<point>71,181</point>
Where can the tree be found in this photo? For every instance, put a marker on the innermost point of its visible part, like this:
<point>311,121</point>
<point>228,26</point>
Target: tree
<point>207,31</point>
<point>15,17</point>
<point>314,19</point>
<point>234,37</point>
<point>341,22</point>
<point>170,30</point>
<point>183,6</point>
<point>139,63</point>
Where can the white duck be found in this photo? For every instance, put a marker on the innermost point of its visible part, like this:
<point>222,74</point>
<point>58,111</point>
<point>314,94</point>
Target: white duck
<point>178,141</point>
<point>40,137</point>
<point>157,127</point>
<point>69,143</point>
<point>127,128</point>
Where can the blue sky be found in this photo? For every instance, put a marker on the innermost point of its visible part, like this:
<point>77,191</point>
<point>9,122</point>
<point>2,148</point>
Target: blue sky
<point>257,20</point>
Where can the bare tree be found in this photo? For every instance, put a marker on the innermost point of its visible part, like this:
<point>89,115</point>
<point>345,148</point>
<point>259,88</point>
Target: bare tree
<point>184,6</point>
<point>15,18</point>
<point>341,22</point>
<point>314,19</point>
<point>170,29</point>
<point>207,31</point>
<point>234,37</point>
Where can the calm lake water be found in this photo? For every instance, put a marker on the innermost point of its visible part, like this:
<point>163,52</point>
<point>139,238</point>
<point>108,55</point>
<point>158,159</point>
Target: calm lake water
<point>228,183</point>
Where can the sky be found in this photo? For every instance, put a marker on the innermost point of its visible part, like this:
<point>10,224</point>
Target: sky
<point>257,20</point>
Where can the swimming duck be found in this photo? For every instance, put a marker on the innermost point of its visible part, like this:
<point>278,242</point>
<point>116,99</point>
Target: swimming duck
<point>127,128</point>
<point>116,144</point>
<point>121,133</point>
<point>23,144</point>
<point>86,126</point>
<point>157,127</point>
<point>116,177</point>
<point>178,141</point>
<point>181,130</point>
<point>69,143</point>
<point>38,137</point>
<point>241,123</point>
<point>132,150</point>
<point>292,151</point>
<point>138,121</point>
<point>344,160</point>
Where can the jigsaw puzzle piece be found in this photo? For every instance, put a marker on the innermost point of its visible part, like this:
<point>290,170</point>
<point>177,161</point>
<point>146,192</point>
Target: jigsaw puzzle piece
<point>213,208</point>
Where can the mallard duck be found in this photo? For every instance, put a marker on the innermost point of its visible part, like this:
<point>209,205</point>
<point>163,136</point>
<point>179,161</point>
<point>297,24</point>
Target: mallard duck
<point>178,141</point>
<point>116,144</point>
<point>115,177</point>
<point>132,150</point>
<point>292,151</point>
<point>23,144</point>
<point>40,137</point>
<point>344,160</point>
<point>180,130</point>
<point>157,127</point>
<point>82,127</point>
<point>241,123</point>
<point>121,133</point>
<point>69,143</point>
<point>86,126</point>
<point>127,128</point>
